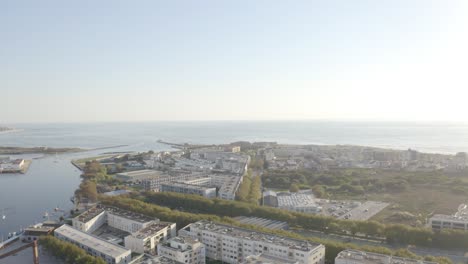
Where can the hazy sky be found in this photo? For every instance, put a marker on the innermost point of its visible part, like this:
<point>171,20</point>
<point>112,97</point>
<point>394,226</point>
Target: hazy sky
<point>67,61</point>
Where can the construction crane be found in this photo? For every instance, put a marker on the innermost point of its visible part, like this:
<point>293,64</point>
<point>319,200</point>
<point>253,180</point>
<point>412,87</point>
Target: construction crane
<point>34,247</point>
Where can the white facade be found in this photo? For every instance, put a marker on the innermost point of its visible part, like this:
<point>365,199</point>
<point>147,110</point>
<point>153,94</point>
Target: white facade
<point>124,223</point>
<point>183,250</point>
<point>111,253</point>
<point>146,240</point>
<point>181,187</point>
<point>91,220</point>
<point>459,220</point>
<point>233,245</point>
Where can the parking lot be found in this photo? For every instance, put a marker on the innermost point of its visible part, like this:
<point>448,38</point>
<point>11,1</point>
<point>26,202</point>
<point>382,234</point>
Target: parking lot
<point>365,211</point>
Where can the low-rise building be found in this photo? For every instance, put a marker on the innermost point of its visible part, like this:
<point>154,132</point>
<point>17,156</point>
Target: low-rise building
<point>360,257</point>
<point>154,184</point>
<point>458,220</point>
<point>303,202</point>
<point>145,232</point>
<point>229,186</point>
<point>8,165</point>
<point>233,244</point>
<point>145,240</point>
<point>111,253</point>
<point>137,176</point>
<point>183,250</point>
<point>181,187</point>
<point>92,219</point>
<point>34,232</point>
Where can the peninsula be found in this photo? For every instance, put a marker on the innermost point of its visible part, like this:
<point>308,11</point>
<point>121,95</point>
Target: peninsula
<point>36,150</point>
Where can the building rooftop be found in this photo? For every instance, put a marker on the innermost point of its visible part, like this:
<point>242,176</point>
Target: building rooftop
<point>99,209</point>
<point>263,222</point>
<point>267,259</point>
<point>374,258</point>
<point>128,214</point>
<point>296,200</point>
<point>189,243</point>
<point>461,215</point>
<point>187,185</point>
<point>91,241</point>
<point>141,174</point>
<point>38,230</point>
<point>152,229</point>
<point>253,235</point>
<point>117,192</point>
<point>90,214</point>
<point>230,185</point>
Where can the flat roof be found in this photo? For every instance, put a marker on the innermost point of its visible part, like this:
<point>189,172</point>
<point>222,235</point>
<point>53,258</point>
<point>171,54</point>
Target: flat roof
<point>253,235</point>
<point>187,186</point>
<point>296,200</point>
<point>90,214</point>
<point>267,259</point>
<point>91,241</point>
<point>95,211</point>
<point>141,173</point>
<point>452,218</point>
<point>152,229</point>
<point>374,258</point>
<point>128,214</point>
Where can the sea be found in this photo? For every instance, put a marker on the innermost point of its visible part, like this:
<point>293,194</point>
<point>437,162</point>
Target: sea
<point>44,192</point>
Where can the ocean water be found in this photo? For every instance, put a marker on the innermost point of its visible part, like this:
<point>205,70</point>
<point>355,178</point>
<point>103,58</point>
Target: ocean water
<point>51,180</point>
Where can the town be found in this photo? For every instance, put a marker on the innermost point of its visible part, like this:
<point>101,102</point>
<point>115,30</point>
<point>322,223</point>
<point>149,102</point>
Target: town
<point>208,203</point>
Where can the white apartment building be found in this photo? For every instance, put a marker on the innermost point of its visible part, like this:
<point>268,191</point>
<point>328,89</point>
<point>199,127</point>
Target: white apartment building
<point>360,257</point>
<point>111,253</point>
<point>154,184</point>
<point>458,220</point>
<point>95,217</point>
<point>233,244</point>
<point>145,232</point>
<point>183,250</point>
<point>146,239</point>
<point>182,187</point>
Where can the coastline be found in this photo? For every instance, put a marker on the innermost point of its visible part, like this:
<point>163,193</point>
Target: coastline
<point>11,131</point>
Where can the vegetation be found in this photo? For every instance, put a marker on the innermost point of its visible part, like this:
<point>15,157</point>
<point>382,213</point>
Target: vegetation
<point>87,191</point>
<point>68,252</point>
<point>235,208</point>
<point>256,163</point>
<point>250,189</point>
<point>418,193</point>
<point>393,233</point>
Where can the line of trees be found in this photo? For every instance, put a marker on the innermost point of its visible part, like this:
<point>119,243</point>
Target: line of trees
<point>250,189</point>
<point>394,233</point>
<point>360,181</point>
<point>184,218</point>
<point>68,252</point>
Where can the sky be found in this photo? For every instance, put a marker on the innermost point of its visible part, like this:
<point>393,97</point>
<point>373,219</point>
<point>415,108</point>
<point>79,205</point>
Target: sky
<point>110,60</point>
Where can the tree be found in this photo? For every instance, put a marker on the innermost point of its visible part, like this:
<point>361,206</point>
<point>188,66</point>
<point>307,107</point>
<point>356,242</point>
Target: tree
<point>68,252</point>
<point>87,190</point>
<point>294,188</point>
<point>319,191</point>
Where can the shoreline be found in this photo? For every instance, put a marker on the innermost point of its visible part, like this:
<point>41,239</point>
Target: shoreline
<point>14,130</point>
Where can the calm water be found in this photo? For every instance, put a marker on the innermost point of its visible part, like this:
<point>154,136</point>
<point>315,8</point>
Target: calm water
<point>51,180</point>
